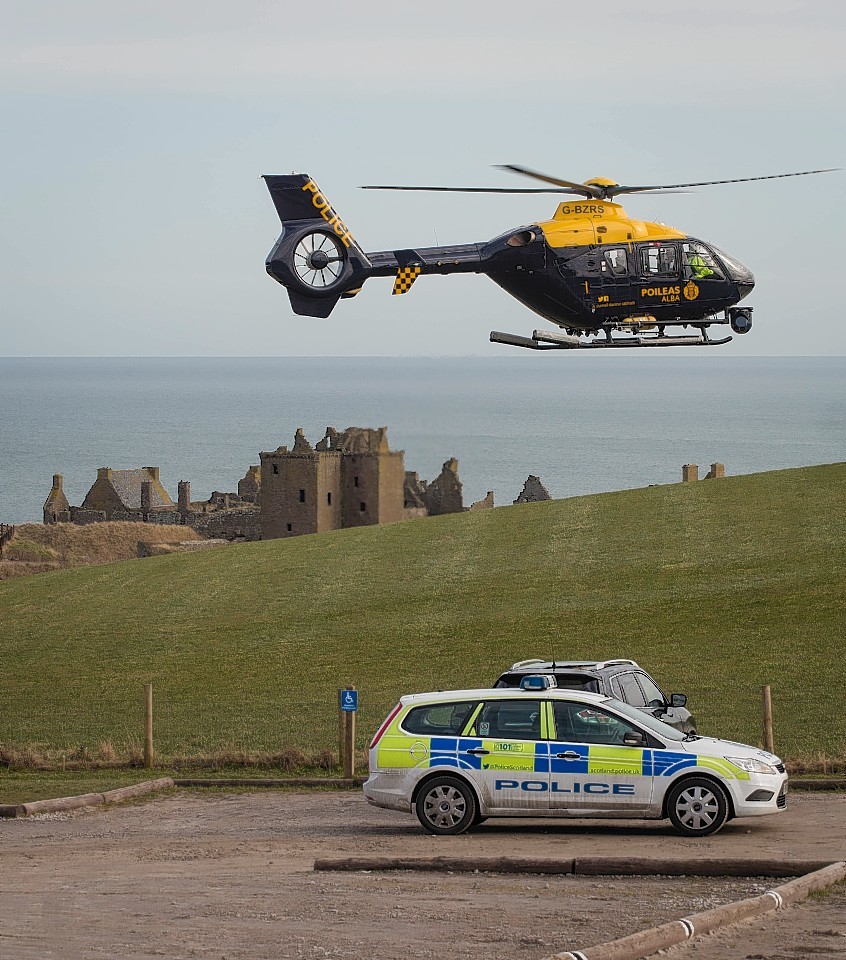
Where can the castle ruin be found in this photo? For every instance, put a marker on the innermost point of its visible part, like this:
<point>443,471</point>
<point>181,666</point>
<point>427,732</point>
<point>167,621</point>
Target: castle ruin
<point>347,479</point>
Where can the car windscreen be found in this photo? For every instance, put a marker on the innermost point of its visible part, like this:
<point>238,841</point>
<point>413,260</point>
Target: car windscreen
<point>645,720</point>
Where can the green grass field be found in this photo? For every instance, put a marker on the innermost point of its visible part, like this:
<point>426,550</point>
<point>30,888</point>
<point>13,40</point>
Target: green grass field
<point>715,587</point>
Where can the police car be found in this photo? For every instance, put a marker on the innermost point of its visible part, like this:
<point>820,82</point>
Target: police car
<point>458,757</point>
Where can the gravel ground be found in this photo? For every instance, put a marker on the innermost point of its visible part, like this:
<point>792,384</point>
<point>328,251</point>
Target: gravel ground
<point>230,876</point>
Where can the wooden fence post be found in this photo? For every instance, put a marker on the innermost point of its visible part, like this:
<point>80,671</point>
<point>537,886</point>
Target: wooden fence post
<point>768,718</point>
<point>148,726</point>
<point>349,746</point>
<point>342,730</point>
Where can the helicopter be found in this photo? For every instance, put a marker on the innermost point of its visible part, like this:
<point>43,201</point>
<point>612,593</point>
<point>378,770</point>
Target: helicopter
<point>603,279</point>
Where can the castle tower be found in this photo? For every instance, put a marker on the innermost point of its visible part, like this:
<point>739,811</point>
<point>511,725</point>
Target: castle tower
<point>300,490</point>
<point>373,477</point>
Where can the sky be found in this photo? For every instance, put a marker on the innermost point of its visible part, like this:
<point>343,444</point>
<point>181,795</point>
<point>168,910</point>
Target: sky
<point>133,220</point>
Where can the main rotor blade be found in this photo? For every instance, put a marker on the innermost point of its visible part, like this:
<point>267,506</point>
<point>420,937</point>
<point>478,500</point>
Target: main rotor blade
<point>589,190</point>
<point>709,183</point>
<point>583,189</point>
<point>471,189</point>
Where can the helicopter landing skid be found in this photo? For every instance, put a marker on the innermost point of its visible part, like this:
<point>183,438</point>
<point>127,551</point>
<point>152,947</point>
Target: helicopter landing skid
<point>552,340</point>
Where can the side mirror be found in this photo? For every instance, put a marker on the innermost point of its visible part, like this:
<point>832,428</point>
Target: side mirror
<point>678,699</point>
<point>634,738</point>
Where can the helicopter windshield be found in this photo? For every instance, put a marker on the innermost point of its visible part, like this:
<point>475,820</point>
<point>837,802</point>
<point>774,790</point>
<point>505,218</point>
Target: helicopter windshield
<point>738,271</point>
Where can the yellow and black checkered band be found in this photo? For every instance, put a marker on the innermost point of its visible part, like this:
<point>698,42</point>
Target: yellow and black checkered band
<point>405,277</point>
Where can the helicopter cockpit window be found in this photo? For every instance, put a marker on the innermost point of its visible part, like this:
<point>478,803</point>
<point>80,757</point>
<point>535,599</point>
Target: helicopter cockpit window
<point>699,264</point>
<point>617,262</point>
<point>659,260</point>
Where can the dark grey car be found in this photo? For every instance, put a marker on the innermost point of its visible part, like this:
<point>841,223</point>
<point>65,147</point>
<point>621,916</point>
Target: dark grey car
<point>622,679</point>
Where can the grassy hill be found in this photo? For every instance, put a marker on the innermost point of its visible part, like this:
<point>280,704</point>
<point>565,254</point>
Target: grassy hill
<point>37,548</point>
<point>715,587</point>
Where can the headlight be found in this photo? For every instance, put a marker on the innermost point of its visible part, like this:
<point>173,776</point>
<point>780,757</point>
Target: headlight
<point>752,766</point>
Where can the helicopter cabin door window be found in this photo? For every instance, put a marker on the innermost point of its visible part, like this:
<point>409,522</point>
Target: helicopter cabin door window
<point>659,260</point>
<point>616,262</point>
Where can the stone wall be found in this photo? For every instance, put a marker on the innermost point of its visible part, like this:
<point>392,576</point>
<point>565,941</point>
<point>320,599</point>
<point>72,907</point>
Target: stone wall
<point>242,524</point>
<point>445,494</point>
<point>82,517</point>
<point>533,491</point>
<point>249,486</point>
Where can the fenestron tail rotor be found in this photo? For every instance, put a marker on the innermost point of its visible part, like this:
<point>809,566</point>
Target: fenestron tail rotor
<point>597,188</point>
<point>318,260</point>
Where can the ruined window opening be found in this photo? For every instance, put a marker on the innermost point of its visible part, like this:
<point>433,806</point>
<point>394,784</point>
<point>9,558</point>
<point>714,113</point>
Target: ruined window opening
<point>289,527</point>
<point>362,506</point>
<point>355,481</point>
<point>329,498</point>
<point>302,496</point>
<point>276,468</point>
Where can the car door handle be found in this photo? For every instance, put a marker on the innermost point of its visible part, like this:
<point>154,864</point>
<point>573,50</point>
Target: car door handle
<point>478,751</point>
<point>568,755</point>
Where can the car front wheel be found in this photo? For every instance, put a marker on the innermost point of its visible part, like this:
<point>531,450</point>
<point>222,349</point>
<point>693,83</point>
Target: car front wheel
<point>697,807</point>
<point>446,806</point>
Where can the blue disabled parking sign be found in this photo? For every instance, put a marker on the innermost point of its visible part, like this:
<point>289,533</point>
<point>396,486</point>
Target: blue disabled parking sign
<point>349,700</point>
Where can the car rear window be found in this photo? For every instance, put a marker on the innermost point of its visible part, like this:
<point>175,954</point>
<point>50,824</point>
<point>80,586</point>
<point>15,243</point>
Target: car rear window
<point>566,681</point>
<point>439,718</point>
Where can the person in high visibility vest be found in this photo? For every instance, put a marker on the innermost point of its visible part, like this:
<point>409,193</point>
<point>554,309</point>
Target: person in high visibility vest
<point>699,268</point>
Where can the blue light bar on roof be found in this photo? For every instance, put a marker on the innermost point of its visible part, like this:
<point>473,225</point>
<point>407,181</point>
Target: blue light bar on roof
<point>537,682</point>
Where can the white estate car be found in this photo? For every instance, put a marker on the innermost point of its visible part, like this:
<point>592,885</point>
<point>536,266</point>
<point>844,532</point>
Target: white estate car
<point>461,756</point>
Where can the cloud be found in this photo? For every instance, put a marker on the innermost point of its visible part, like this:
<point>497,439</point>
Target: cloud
<point>673,55</point>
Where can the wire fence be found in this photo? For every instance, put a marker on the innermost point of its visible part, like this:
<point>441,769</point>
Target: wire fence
<point>304,727</point>
<point>113,731</point>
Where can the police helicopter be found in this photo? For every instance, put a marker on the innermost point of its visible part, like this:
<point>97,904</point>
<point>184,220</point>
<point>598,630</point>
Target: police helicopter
<point>602,278</point>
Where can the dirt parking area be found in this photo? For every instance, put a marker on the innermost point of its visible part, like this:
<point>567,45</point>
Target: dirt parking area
<point>230,876</point>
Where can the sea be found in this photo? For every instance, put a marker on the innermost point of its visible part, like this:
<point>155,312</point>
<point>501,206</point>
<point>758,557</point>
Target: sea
<point>582,423</point>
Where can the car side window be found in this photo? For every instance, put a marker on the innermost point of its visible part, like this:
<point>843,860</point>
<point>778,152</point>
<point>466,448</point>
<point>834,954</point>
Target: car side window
<point>576,681</point>
<point>585,723</point>
<point>654,696</point>
<point>631,690</point>
<point>517,719</point>
<point>439,719</point>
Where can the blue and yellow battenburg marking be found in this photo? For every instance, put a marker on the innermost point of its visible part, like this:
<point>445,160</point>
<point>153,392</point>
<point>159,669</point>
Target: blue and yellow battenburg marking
<point>405,278</point>
<point>399,751</point>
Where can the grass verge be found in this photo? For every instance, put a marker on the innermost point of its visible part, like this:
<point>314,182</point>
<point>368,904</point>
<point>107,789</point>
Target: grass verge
<point>716,588</point>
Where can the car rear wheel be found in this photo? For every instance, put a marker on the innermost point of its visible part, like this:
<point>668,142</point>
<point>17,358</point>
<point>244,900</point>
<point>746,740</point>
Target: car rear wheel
<point>446,806</point>
<point>697,807</point>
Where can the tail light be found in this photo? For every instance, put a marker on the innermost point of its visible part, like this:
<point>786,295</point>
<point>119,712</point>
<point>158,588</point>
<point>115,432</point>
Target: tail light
<point>385,725</point>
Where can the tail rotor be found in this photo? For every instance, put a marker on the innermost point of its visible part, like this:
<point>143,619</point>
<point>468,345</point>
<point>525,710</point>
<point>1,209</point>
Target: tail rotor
<point>319,260</point>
